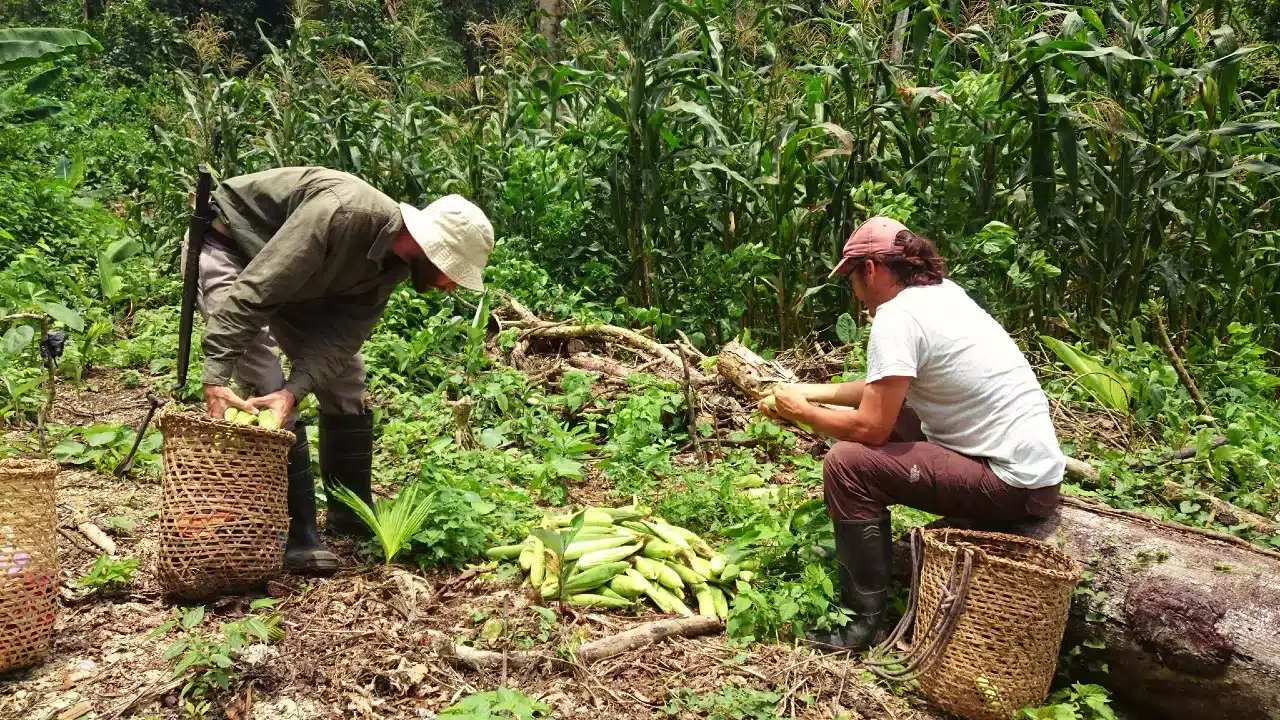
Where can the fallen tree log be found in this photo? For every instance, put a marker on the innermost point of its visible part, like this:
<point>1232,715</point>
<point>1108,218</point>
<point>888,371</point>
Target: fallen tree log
<point>749,372</point>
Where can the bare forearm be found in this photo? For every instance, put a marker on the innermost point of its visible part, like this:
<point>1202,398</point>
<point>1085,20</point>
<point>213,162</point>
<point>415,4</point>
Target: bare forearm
<point>847,394</point>
<point>851,426</point>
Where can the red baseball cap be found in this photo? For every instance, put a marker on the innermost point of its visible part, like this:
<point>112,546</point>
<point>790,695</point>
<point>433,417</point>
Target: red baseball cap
<point>877,236</point>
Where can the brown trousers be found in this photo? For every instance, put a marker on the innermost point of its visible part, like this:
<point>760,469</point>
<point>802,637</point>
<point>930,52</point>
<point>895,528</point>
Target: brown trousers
<point>861,481</point>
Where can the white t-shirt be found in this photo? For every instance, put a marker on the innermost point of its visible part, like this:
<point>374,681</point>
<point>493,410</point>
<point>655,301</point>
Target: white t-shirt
<point>974,391</point>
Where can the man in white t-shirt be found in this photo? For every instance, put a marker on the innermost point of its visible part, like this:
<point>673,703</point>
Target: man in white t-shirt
<point>975,440</point>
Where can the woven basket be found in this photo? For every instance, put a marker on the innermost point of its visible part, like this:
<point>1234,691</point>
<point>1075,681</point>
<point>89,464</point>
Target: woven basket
<point>224,510</point>
<point>28,561</point>
<point>990,611</point>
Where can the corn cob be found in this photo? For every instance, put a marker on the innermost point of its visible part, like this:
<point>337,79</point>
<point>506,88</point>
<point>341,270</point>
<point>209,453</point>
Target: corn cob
<point>667,602</point>
<point>537,565</point>
<point>746,576</point>
<point>772,402</point>
<point>267,419</point>
<point>639,527</point>
<point>657,549</point>
<point>525,561</point>
<point>688,575</point>
<point>594,577</point>
<point>668,577</point>
<point>721,602</point>
<point>647,568</point>
<point>718,561</point>
<point>504,552</point>
<point>604,601</point>
<point>706,601</point>
<point>700,566</point>
<point>609,592</point>
<point>578,548</point>
<point>608,555</point>
<point>669,535</point>
<point>629,584</point>
<point>729,573</point>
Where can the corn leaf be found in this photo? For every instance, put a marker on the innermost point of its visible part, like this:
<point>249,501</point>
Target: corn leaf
<point>1104,384</point>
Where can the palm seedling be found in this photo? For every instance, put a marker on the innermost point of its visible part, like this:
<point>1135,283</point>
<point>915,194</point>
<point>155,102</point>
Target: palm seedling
<point>393,522</point>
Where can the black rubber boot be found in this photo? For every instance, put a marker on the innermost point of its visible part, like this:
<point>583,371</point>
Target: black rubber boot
<point>304,553</point>
<point>346,459</point>
<point>864,555</point>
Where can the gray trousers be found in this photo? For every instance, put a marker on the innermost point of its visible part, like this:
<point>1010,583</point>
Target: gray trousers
<point>259,372</point>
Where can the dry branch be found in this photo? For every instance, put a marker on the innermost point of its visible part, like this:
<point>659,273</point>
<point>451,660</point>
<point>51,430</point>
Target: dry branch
<point>611,333</point>
<point>637,637</point>
<point>749,372</point>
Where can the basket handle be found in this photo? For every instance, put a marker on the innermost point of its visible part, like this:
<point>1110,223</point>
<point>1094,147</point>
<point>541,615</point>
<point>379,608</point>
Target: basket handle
<point>942,622</point>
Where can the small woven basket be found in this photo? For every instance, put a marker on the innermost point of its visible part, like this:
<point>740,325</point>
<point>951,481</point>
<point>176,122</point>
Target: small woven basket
<point>224,508</point>
<point>990,611</point>
<point>28,561</point>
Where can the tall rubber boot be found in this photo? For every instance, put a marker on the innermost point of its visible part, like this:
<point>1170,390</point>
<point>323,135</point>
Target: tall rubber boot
<point>346,460</point>
<point>304,553</point>
<point>864,555</point>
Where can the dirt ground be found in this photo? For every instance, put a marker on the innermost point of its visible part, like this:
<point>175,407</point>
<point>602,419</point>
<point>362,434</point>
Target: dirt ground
<point>358,644</point>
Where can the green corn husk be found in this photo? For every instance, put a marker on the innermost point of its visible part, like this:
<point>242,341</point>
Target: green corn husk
<point>267,419</point>
<point>597,517</point>
<point>718,563</point>
<point>629,584</point>
<point>668,534</point>
<point>551,562</point>
<point>746,576</point>
<point>698,545</point>
<point>602,601</point>
<point>594,577</point>
<point>550,588</point>
<point>504,552</point>
<point>525,560</point>
<point>721,602</point>
<point>729,573</point>
<point>669,578</point>
<point>687,574</point>
<point>647,568</point>
<point>243,418</point>
<point>639,527</point>
<point>609,592</point>
<point>706,601</point>
<point>538,563</point>
<point>667,602</point>
<point>229,415</point>
<point>609,555</point>
<point>700,566</point>
<point>659,550</point>
<point>772,402</point>
<point>748,481</point>
<point>578,548</point>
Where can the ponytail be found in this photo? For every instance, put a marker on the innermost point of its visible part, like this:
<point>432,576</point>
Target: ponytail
<point>918,262</point>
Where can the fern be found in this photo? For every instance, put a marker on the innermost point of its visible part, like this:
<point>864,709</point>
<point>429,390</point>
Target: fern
<point>393,522</point>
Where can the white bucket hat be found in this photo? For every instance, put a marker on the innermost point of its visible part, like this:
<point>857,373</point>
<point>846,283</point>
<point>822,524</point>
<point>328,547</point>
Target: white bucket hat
<point>455,235</point>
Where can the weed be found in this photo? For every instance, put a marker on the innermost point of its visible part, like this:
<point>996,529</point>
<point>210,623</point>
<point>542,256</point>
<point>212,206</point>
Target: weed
<point>500,704</point>
<point>731,703</point>
<point>109,576</point>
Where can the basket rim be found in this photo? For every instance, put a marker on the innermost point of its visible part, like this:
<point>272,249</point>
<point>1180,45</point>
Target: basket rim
<point>1070,569</point>
<point>27,466</point>
<point>177,418</point>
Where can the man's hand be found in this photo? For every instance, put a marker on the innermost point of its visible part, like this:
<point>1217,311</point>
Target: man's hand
<point>281,402</point>
<point>790,404</point>
<point>217,398</point>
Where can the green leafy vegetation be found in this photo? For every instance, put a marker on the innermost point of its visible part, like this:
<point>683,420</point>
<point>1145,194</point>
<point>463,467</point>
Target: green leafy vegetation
<point>108,576</point>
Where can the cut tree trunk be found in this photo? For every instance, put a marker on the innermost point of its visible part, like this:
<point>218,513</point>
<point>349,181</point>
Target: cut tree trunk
<point>1187,620</point>
<point>749,372</point>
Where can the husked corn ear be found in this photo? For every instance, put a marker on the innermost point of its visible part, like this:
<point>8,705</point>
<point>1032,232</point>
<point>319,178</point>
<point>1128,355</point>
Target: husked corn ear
<point>594,577</point>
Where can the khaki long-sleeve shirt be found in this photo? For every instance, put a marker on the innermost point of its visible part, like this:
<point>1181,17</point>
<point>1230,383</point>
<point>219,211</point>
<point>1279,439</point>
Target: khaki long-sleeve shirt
<point>318,243</point>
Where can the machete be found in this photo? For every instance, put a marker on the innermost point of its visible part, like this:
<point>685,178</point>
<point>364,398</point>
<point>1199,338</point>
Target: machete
<point>200,221</point>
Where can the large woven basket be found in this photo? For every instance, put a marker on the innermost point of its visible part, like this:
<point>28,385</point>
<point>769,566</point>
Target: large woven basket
<point>28,561</point>
<point>224,509</point>
<point>989,614</point>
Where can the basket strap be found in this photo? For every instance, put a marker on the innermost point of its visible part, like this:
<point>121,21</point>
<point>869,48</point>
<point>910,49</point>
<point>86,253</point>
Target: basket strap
<point>926,648</point>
